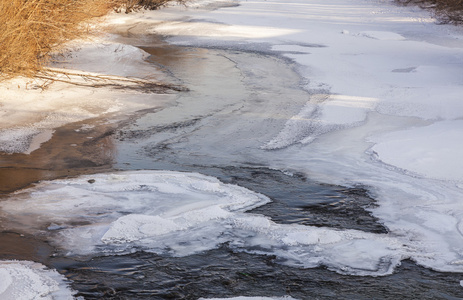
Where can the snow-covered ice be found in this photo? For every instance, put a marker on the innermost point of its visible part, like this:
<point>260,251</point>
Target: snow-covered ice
<point>415,150</point>
<point>126,207</point>
<point>28,280</point>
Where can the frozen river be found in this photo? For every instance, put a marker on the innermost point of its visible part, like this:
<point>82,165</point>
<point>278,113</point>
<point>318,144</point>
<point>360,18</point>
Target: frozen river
<point>236,103</point>
<point>273,174</point>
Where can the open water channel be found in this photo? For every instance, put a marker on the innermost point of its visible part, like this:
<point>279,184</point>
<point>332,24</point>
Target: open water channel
<point>238,100</point>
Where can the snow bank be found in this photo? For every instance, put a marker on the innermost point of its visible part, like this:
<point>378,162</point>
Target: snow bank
<point>28,280</point>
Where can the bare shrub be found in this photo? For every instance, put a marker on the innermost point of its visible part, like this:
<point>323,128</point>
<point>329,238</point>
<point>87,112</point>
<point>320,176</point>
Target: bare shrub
<point>446,11</point>
<point>131,5</point>
<point>450,11</point>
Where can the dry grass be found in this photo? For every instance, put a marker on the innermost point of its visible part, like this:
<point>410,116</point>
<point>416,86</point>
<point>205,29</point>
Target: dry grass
<point>446,11</point>
<point>31,29</point>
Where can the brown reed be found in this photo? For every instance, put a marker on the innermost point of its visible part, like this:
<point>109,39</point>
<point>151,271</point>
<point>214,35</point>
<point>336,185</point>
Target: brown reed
<point>31,29</point>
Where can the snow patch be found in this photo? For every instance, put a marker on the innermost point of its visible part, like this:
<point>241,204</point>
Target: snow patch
<point>28,280</point>
<point>432,151</point>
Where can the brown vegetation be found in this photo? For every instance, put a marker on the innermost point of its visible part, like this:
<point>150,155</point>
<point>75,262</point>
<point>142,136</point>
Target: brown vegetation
<point>31,29</point>
<point>446,11</point>
<point>130,5</point>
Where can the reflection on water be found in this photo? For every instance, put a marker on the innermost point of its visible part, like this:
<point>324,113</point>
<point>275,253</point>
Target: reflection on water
<point>237,102</point>
<point>20,247</point>
<point>78,148</point>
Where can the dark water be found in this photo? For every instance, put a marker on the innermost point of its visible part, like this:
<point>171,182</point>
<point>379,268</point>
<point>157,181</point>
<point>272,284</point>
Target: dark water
<point>220,272</point>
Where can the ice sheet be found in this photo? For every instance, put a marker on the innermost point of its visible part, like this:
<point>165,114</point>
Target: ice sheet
<point>433,151</point>
<point>125,207</point>
<point>184,213</point>
<point>107,57</point>
<point>28,280</point>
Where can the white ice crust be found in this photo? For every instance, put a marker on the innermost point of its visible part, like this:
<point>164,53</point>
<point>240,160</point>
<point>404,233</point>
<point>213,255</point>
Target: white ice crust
<point>184,213</point>
<point>28,280</point>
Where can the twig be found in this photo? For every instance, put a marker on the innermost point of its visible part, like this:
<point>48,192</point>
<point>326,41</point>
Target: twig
<point>111,81</point>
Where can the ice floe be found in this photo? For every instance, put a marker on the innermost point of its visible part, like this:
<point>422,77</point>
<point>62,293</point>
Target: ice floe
<point>181,214</point>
